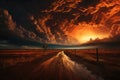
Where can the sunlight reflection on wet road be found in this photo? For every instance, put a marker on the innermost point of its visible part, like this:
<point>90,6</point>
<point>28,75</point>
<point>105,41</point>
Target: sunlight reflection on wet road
<point>61,67</point>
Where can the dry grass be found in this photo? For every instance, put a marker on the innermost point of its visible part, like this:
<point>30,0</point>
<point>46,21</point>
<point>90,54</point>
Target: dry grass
<point>108,66</point>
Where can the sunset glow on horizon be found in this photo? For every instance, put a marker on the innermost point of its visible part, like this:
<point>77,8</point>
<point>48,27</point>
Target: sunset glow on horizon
<point>71,22</point>
<point>86,32</point>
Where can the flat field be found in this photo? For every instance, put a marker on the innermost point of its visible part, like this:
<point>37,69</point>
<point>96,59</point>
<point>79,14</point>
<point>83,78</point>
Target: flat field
<point>60,64</point>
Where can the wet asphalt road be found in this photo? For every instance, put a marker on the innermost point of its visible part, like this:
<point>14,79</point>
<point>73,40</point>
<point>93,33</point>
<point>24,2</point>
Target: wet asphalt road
<point>51,67</point>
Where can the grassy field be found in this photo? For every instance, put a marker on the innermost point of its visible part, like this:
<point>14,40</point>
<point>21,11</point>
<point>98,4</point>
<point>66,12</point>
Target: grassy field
<point>10,58</point>
<point>108,66</point>
<point>109,61</point>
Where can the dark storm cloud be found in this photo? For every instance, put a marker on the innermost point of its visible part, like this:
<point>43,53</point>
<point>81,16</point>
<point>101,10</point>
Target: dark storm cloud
<point>63,5</point>
<point>50,21</point>
<point>6,20</point>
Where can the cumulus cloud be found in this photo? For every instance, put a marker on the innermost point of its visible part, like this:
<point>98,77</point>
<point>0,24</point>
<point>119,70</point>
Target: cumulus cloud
<point>6,19</point>
<point>115,30</point>
<point>63,5</point>
<point>60,18</point>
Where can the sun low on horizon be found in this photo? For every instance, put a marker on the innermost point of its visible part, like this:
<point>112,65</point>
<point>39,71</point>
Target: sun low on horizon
<point>59,39</point>
<point>87,32</point>
<point>65,22</point>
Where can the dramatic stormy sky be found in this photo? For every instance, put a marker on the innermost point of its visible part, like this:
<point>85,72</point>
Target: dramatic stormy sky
<point>24,22</point>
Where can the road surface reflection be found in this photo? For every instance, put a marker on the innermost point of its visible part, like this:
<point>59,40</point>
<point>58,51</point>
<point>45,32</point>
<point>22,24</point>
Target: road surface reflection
<point>61,67</point>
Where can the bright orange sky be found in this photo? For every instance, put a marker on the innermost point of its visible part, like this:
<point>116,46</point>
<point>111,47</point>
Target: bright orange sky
<point>88,32</point>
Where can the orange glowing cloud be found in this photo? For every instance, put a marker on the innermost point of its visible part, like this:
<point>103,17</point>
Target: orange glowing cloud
<point>65,21</point>
<point>85,32</point>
